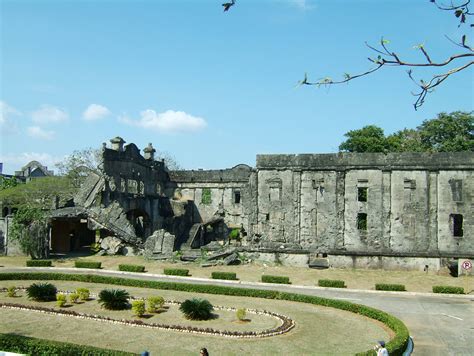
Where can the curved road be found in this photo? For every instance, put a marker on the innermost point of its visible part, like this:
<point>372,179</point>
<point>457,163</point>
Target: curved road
<point>438,324</point>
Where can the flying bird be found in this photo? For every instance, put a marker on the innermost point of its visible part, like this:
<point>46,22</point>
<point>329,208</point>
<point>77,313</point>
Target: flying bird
<point>228,5</point>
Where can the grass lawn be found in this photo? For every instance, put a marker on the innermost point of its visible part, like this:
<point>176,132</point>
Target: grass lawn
<point>318,330</point>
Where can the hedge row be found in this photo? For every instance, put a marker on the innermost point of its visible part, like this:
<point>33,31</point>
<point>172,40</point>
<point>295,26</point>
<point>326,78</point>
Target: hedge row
<point>32,346</point>
<point>131,268</point>
<point>87,264</point>
<point>391,287</point>
<point>224,275</point>
<point>448,289</point>
<point>396,346</point>
<point>333,283</point>
<point>176,272</point>
<point>275,279</point>
<point>38,263</point>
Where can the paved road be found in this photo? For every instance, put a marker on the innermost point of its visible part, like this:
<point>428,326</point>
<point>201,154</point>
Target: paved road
<point>438,324</point>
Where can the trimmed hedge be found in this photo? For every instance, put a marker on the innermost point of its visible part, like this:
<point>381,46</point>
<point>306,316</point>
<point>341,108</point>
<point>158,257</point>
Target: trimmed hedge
<point>224,275</point>
<point>131,268</point>
<point>396,346</point>
<point>176,272</point>
<point>275,279</point>
<point>448,289</point>
<point>33,346</point>
<point>333,283</point>
<point>390,287</point>
<point>87,264</point>
<point>39,263</point>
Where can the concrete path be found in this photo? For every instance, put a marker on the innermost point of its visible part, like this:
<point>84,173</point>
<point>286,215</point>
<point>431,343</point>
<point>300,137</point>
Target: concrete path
<point>438,324</point>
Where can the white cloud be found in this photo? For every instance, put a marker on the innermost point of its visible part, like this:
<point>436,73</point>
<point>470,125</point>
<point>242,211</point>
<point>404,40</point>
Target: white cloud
<point>48,113</point>
<point>167,122</point>
<point>7,113</point>
<point>14,162</point>
<point>95,112</point>
<point>38,132</point>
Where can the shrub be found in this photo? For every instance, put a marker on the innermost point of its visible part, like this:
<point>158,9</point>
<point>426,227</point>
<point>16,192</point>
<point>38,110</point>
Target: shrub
<point>61,299</point>
<point>333,283</point>
<point>390,287</point>
<point>241,314</point>
<point>74,297</point>
<point>138,307</point>
<point>197,309</point>
<point>38,263</point>
<point>11,291</point>
<point>155,304</point>
<point>42,292</point>
<point>87,264</point>
<point>234,234</point>
<point>114,299</point>
<point>131,268</point>
<point>275,279</point>
<point>176,271</point>
<point>224,275</point>
<point>83,293</point>
<point>448,289</point>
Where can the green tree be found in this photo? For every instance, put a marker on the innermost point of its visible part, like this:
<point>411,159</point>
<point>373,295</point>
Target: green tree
<point>79,164</point>
<point>367,139</point>
<point>8,182</point>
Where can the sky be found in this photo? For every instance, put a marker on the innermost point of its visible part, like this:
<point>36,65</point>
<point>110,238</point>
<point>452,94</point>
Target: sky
<point>211,88</point>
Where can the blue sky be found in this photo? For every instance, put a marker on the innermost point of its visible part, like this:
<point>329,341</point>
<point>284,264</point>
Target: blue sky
<point>213,89</point>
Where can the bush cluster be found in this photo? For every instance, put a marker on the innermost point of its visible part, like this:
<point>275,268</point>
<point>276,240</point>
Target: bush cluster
<point>11,291</point>
<point>74,297</point>
<point>448,289</point>
<point>197,309</point>
<point>333,283</point>
<point>114,299</point>
<point>87,264</point>
<point>155,304</point>
<point>390,287</point>
<point>32,346</point>
<point>396,346</point>
<point>176,272</point>
<point>38,263</point>
<point>83,293</point>
<point>61,299</point>
<point>131,268</point>
<point>224,275</point>
<point>241,313</point>
<point>275,279</point>
<point>138,307</point>
<point>42,292</point>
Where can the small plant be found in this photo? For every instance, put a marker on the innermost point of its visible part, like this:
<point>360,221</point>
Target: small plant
<point>390,287</point>
<point>176,271</point>
<point>74,297</point>
<point>95,247</point>
<point>138,307</point>
<point>11,291</point>
<point>114,299</point>
<point>155,304</point>
<point>83,293</point>
<point>38,263</point>
<point>234,234</point>
<point>197,309</point>
<point>42,292</point>
<point>224,275</point>
<point>87,264</point>
<point>241,313</point>
<point>275,279</point>
<point>333,283</point>
<point>61,300</point>
<point>131,268</point>
<point>448,289</point>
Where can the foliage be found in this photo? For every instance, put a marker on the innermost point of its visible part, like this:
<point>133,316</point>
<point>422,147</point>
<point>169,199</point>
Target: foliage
<point>176,271</point>
<point>38,263</point>
<point>83,293</point>
<point>42,292</point>
<point>155,303</point>
<point>234,234</point>
<point>206,197</point>
<point>224,275</point>
<point>95,247</point>
<point>6,183</point>
<point>241,313</point>
<point>333,283</point>
<point>275,279</point>
<point>61,299</point>
<point>11,291</point>
<point>452,132</point>
<point>390,287</point>
<point>32,346</point>
<point>396,346</point>
<point>88,264</point>
<point>448,289</point>
<point>74,297</point>
<point>131,268</point>
<point>79,164</point>
<point>138,307</point>
<point>114,299</point>
<point>197,309</point>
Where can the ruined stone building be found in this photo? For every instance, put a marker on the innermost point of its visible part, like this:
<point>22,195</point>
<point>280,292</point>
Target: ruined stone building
<point>354,209</point>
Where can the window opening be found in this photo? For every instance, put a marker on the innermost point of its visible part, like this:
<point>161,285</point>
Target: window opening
<point>456,224</point>
<point>362,221</point>
<point>236,197</point>
<point>362,194</point>
<point>206,197</point>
